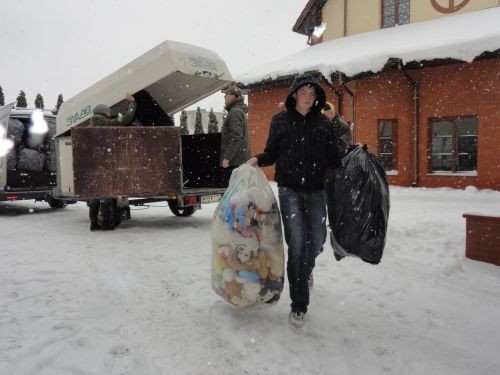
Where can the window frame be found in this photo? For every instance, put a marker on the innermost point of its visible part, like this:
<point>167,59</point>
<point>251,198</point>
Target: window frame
<point>393,139</point>
<point>396,13</point>
<point>454,143</point>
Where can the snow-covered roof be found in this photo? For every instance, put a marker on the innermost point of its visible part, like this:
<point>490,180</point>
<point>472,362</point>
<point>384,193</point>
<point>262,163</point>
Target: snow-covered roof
<point>462,37</point>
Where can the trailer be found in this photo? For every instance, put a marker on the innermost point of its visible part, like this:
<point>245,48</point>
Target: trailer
<point>149,161</point>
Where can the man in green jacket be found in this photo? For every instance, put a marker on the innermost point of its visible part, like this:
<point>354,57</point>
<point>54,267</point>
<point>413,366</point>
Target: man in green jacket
<point>235,144</point>
<point>102,117</point>
<point>102,114</point>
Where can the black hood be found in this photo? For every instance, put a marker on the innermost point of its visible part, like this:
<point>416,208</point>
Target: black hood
<point>303,81</point>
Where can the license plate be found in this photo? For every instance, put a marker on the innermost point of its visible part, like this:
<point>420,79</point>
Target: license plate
<point>211,198</point>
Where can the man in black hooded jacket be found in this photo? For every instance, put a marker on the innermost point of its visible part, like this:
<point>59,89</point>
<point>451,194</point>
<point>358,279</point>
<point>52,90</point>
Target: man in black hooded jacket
<point>302,145</point>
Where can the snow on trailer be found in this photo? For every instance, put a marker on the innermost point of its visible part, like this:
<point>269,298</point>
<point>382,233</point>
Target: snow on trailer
<point>149,160</point>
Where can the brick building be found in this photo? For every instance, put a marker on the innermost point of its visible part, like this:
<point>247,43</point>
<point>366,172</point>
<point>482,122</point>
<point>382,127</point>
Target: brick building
<point>424,96</point>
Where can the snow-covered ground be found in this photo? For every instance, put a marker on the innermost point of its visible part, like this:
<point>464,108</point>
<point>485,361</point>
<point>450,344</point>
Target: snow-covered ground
<point>138,300</point>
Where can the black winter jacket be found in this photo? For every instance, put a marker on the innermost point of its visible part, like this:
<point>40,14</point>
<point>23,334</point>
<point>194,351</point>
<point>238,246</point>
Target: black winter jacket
<point>302,148</point>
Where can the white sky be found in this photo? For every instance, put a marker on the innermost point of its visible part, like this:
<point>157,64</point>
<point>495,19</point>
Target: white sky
<point>60,46</point>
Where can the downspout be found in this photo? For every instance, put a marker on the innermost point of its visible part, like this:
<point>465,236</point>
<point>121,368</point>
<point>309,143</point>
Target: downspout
<point>353,107</point>
<point>337,92</point>
<point>416,94</point>
<point>345,17</point>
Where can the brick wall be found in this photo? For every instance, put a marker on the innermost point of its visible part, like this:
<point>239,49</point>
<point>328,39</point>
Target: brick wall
<point>463,89</point>
<point>451,90</point>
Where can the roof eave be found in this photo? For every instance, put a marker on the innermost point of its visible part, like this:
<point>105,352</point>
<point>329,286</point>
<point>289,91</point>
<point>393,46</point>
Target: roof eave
<point>391,64</point>
<point>299,24</point>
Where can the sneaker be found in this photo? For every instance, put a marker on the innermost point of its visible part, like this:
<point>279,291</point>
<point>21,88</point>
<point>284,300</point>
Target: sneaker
<point>296,318</point>
<point>310,280</point>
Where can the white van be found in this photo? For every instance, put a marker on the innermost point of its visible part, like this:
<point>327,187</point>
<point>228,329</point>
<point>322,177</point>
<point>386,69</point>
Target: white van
<point>28,166</point>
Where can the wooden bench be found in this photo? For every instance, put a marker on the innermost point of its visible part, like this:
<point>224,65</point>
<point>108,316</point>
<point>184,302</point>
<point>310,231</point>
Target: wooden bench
<point>483,238</point>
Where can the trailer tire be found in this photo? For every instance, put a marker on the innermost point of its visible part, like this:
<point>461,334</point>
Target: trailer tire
<point>181,211</point>
<point>56,203</point>
<point>109,215</point>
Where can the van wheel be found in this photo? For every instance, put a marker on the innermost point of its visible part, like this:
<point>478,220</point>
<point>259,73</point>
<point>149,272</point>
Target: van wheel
<point>56,203</point>
<point>181,211</point>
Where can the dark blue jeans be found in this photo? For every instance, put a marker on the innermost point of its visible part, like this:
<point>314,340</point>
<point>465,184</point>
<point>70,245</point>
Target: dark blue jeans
<point>304,222</point>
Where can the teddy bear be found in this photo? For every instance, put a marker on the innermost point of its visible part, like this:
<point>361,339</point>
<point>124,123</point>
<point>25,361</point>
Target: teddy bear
<point>220,232</point>
<point>268,295</point>
<point>277,264</point>
<point>235,211</point>
<point>271,290</point>
<point>264,263</point>
<point>250,291</point>
<point>229,260</point>
<point>239,287</point>
<point>246,248</point>
<point>262,199</point>
<point>232,290</point>
<point>249,294</point>
<point>268,229</point>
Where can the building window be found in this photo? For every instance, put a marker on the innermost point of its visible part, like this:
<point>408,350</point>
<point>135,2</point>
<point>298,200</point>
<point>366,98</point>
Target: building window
<point>395,12</point>
<point>454,144</point>
<point>387,144</point>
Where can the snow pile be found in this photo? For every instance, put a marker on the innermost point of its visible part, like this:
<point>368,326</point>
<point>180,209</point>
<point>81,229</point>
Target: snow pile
<point>461,37</point>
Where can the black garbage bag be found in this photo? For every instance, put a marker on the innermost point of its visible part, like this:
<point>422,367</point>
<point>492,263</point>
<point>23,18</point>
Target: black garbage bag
<point>30,160</point>
<point>15,130</point>
<point>358,206</point>
<point>12,159</point>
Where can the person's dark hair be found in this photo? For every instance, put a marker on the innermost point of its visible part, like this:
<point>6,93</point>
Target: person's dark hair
<point>233,90</point>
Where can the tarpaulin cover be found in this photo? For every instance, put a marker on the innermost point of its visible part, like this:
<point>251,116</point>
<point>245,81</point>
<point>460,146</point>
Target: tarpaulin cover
<point>358,206</point>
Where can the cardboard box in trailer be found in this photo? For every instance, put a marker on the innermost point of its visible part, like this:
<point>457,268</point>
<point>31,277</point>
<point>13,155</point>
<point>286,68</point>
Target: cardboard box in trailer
<point>148,161</point>
<point>27,155</point>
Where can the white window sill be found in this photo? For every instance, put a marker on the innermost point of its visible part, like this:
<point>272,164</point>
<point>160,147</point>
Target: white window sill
<point>454,174</point>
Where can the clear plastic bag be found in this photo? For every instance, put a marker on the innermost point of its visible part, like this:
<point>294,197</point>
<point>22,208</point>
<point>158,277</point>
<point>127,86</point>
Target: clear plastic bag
<point>358,206</point>
<point>247,241</point>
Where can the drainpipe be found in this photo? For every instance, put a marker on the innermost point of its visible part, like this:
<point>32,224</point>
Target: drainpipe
<point>353,106</point>
<point>341,100</point>
<point>345,17</point>
<point>337,92</point>
<point>416,94</point>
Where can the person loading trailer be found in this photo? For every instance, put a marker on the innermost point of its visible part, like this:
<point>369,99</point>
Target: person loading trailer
<point>102,117</point>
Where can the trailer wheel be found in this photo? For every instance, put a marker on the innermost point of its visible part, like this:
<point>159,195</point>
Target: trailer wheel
<point>181,211</point>
<point>56,203</point>
<point>109,215</point>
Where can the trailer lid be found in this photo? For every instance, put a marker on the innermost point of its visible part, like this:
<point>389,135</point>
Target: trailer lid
<point>175,74</point>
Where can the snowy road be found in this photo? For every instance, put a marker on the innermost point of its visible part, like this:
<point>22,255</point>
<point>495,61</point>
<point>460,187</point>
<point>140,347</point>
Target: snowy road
<point>138,300</point>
